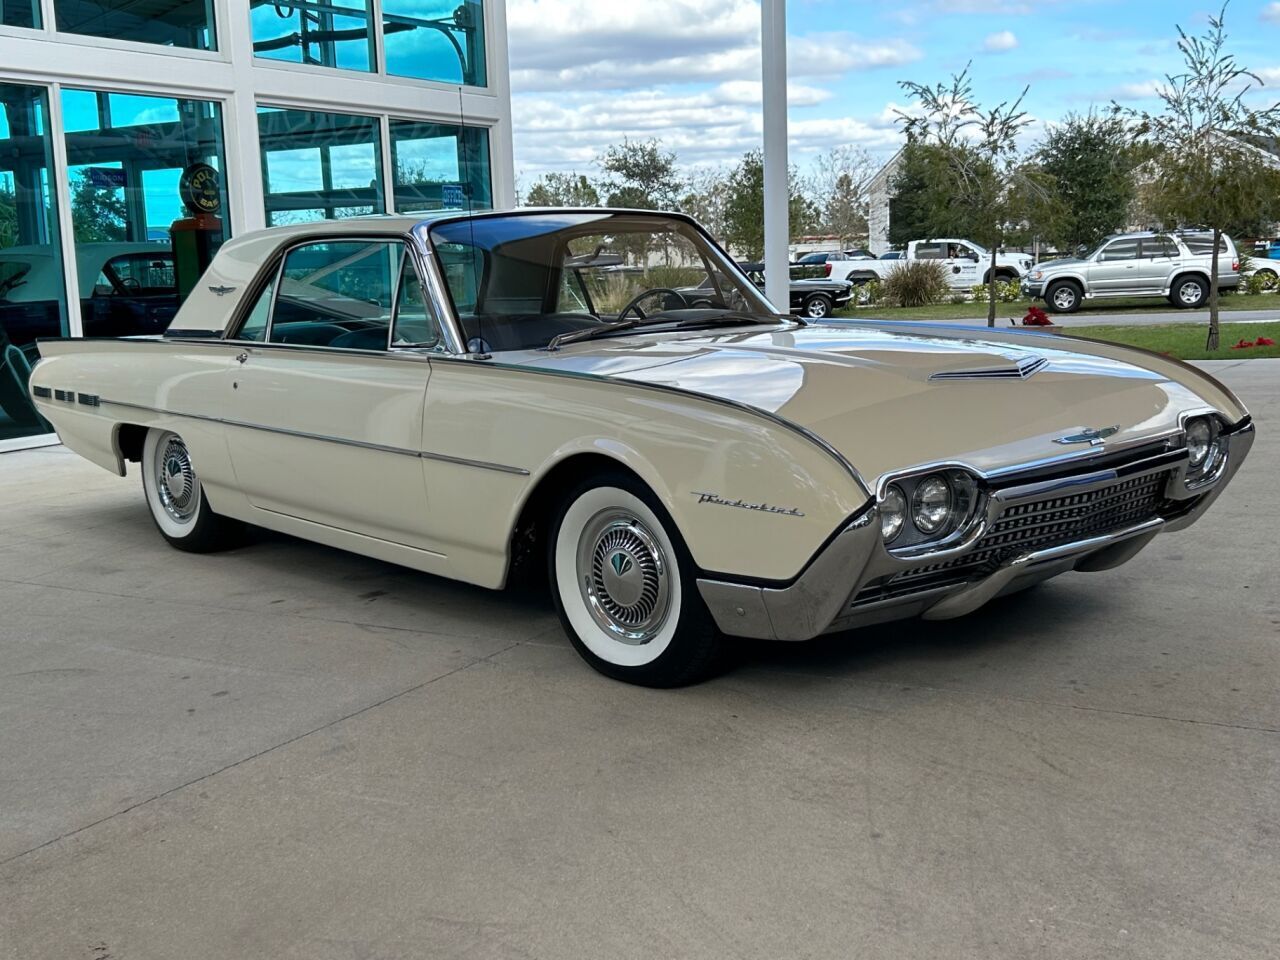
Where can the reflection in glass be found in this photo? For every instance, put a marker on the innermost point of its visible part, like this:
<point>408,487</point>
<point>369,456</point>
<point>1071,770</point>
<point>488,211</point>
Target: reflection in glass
<point>435,40</point>
<point>20,13</point>
<point>319,166</point>
<point>140,244</point>
<point>440,166</point>
<point>173,23</point>
<point>313,32</point>
<point>32,292</point>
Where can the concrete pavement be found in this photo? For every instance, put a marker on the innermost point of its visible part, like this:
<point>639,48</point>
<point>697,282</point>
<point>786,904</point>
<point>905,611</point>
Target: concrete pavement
<point>286,751</point>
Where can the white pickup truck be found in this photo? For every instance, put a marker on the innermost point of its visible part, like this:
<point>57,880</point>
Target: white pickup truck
<point>965,262</point>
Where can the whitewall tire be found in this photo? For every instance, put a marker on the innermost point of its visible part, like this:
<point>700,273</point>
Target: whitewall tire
<point>623,585</point>
<point>176,497</point>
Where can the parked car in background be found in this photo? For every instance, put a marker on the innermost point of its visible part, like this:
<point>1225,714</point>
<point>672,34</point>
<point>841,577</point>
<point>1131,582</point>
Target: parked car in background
<point>828,265</point>
<point>1176,266</point>
<point>476,397</point>
<point>813,298</point>
<point>125,289</point>
<point>891,255</point>
<point>965,263</point>
<point>1264,257</point>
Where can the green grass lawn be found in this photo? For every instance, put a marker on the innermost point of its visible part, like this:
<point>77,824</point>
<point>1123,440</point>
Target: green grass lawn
<point>1186,341</point>
<point>978,311</point>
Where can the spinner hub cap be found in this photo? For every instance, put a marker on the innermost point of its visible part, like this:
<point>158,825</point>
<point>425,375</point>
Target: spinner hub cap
<point>176,481</point>
<point>623,572</point>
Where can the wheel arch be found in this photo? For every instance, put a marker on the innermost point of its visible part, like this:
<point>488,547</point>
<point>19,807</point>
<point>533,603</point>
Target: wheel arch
<point>1185,274</point>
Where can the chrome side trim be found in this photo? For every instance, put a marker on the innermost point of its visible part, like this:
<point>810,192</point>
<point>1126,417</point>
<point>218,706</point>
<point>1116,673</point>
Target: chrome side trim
<point>362,444</point>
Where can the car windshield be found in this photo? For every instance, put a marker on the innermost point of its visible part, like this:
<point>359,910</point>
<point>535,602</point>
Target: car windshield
<point>520,281</point>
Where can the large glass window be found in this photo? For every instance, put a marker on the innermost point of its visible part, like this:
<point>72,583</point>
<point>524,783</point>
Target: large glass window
<point>440,166</point>
<point>313,32</point>
<point>174,23</point>
<point>435,40</point>
<point>32,301</point>
<point>318,166</point>
<point>20,13</point>
<point>147,202</point>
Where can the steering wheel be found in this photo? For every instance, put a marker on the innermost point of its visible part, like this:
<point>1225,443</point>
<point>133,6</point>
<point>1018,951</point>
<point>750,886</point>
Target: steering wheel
<point>635,301</point>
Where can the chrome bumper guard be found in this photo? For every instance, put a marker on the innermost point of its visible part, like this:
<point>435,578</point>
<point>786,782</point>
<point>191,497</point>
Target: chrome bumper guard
<point>855,581</point>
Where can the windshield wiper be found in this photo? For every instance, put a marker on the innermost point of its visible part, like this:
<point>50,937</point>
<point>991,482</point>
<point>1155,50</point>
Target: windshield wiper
<point>723,320</point>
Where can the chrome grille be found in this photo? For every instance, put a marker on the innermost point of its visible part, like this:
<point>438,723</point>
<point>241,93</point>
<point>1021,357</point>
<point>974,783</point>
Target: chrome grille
<point>1033,525</point>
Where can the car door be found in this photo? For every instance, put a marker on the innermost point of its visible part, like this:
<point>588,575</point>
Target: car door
<point>1116,268</point>
<point>1157,259</point>
<point>323,412</point>
<point>963,266</point>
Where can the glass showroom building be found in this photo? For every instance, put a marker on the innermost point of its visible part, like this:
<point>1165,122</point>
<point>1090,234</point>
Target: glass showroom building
<point>137,135</point>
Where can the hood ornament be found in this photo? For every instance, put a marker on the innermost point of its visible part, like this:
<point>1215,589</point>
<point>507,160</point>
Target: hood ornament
<point>1090,436</point>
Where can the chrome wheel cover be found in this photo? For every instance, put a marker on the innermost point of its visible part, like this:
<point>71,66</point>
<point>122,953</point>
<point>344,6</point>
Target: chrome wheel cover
<point>1064,298</point>
<point>623,574</point>
<point>817,309</point>
<point>1189,293</point>
<point>176,480</point>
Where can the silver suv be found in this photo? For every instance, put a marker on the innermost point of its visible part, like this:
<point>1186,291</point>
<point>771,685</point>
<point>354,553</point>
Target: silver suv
<point>1172,265</point>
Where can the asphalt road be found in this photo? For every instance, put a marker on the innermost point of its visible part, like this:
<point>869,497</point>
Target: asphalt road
<point>290,752</point>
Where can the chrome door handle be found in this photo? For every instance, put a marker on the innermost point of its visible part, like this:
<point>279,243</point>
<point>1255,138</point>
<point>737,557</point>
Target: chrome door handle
<point>242,358</point>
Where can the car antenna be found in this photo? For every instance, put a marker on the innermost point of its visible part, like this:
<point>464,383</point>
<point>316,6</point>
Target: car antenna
<point>481,353</point>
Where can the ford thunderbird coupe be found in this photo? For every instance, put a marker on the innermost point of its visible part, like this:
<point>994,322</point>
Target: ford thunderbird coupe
<point>492,395</point>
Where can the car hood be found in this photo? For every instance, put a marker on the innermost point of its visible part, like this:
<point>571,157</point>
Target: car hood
<point>1064,262</point>
<point>894,396</point>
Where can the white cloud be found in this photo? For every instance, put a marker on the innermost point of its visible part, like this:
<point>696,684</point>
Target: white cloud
<point>1271,12</point>
<point>1000,42</point>
<point>587,73</point>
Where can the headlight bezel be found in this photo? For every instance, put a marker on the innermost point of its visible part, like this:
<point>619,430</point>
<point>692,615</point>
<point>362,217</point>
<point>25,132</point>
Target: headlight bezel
<point>966,497</point>
<point>1210,467</point>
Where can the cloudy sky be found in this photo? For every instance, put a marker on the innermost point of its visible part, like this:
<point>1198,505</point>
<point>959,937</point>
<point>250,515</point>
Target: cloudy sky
<point>586,73</point>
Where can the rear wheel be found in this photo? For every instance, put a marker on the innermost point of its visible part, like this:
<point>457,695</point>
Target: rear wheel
<point>1063,297</point>
<point>1268,277</point>
<point>176,497</point>
<point>818,307</point>
<point>623,585</point>
<point>1189,292</point>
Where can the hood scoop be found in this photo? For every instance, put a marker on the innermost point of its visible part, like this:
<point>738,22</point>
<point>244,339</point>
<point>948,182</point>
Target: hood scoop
<point>1021,370</point>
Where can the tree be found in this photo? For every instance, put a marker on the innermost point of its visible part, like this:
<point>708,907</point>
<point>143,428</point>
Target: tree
<point>744,207</point>
<point>1090,159</point>
<point>839,188</point>
<point>562,190</point>
<point>979,158</point>
<point>8,217</point>
<point>1208,171</point>
<point>706,197</point>
<point>922,203</point>
<point>99,214</point>
<point>641,175</point>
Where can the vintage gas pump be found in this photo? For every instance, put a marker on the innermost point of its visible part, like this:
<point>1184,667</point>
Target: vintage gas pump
<point>196,237</point>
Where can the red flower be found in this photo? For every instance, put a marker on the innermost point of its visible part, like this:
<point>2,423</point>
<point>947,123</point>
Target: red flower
<point>1243,345</point>
<point>1036,318</point>
<point>1265,342</point>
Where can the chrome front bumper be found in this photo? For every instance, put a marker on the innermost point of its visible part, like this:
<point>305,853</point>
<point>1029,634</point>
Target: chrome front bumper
<point>825,597</point>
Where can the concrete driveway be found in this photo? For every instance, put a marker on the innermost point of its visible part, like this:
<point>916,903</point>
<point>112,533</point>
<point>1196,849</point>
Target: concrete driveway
<point>290,752</point>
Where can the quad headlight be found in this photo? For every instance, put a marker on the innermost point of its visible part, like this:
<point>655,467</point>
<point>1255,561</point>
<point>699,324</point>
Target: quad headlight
<point>1199,441</point>
<point>931,505</point>
<point>893,512</point>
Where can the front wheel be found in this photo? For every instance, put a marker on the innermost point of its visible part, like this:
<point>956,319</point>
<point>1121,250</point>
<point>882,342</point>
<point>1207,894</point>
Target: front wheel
<point>623,586</point>
<point>176,497</point>
<point>1063,297</point>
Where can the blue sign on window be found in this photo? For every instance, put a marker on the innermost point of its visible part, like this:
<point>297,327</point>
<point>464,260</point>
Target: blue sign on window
<point>451,195</point>
<point>107,177</point>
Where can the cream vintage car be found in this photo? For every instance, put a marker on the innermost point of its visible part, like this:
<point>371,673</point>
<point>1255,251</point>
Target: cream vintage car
<point>479,396</point>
